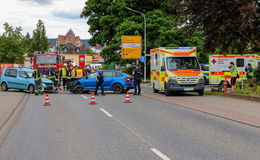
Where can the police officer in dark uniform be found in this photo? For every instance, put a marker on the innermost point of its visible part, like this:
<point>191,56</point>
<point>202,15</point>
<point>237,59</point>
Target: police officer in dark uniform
<point>38,82</point>
<point>100,82</point>
<point>137,73</point>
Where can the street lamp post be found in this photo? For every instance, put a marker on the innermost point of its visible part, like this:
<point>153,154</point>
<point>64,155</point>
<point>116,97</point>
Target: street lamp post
<point>144,38</point>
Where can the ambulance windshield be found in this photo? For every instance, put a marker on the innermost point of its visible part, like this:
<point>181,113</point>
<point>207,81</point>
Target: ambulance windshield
<point>175,63</point>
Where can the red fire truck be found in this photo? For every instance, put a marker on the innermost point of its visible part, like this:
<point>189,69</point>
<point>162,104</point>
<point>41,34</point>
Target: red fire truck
<point>47,61</point>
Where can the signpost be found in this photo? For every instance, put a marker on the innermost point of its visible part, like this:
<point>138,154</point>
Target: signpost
<point>131,47</point>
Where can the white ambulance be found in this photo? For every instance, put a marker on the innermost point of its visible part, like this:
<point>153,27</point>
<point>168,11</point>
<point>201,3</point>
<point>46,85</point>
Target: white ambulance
<point>176,70</point>
<point>218,66</point>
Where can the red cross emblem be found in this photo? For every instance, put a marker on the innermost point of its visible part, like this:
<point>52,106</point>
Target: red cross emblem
<point>213,61</point>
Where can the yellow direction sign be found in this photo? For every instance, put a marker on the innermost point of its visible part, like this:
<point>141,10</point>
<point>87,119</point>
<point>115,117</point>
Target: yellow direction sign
<point>131,47</point>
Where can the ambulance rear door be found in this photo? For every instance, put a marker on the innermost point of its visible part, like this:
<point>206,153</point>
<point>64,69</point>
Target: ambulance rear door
<point>216,67</point>
<point>155,69</point>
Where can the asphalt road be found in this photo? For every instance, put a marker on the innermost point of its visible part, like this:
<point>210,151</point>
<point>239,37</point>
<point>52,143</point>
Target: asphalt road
<point>146,129</point>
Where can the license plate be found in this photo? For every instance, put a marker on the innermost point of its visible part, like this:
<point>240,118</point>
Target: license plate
<point>188,89</point>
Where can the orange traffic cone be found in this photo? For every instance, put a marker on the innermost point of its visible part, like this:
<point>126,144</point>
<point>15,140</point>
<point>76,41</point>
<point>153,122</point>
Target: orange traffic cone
<point>127,98</point>
<point>47,101</point>
<point>93,101</point>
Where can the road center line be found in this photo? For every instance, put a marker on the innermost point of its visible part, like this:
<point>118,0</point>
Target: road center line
<point>108,114</point>
<point>160,154</point>
<point>84,96</point>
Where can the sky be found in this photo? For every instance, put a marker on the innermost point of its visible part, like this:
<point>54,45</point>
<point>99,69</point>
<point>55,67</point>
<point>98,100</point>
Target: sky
<point>58,16</point>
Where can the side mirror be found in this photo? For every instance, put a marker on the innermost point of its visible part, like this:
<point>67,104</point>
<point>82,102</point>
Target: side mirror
<point>163,68</point>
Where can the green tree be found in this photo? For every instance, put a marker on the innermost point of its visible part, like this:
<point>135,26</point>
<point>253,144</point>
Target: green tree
<point>257,74</point>
<point>39,39</point>
<point>11,47</point>
<point>109,21</point>
<point>231,26</point>
<point>90,52</point>
<point>11,50</point>
<point>12,33</point>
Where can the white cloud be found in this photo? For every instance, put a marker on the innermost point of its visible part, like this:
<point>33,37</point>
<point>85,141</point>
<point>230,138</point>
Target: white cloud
<point>58,16</point>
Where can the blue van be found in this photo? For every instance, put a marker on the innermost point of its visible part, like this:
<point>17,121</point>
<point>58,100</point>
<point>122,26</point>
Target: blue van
<point>22,79</point>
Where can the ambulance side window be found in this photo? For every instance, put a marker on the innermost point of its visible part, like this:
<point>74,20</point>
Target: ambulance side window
<point>240,62</point>
<point>156,59</point>
<point>163,68</point>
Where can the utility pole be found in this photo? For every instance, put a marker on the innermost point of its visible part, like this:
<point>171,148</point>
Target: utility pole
<point>144,38</point>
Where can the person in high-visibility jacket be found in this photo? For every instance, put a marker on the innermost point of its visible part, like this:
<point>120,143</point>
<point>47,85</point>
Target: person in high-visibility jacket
<point>51,76</point>
<point>63,74</point>
<point>57,78</point>
<point>249,71</point>
<point>73,72</point>
<point>68,77</point>
<point>79,72</point>
<point>37,81</point>
<point>234,74</point>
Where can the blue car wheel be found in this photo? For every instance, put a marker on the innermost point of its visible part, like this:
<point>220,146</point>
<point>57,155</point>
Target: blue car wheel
<point>31,88</point>
<point>118,88</point>
<point>4,86</point>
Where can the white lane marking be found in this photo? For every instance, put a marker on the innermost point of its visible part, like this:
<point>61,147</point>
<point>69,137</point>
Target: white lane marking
<point>160,154</point>
<point>108,114</point>
<point>84,96</point>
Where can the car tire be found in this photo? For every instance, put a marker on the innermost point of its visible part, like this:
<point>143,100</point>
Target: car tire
<point>117,88</point>
<point>201,92</point>
<point>31,88</point>
<point>155,90</point>
<point>4,86</point>
<point>78,89</point>
<point>167,93</point>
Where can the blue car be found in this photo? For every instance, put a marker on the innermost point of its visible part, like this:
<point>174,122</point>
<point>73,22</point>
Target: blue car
<point>116,81</point>
<point>22,79</point>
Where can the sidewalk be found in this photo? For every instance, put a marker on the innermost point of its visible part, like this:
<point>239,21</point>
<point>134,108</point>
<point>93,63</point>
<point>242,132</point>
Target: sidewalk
<point>243,111</point>
<point>9,102</point>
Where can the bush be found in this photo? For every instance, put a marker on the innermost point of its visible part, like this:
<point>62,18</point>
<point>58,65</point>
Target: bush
<point>257,73</point>
<point>129,70</point>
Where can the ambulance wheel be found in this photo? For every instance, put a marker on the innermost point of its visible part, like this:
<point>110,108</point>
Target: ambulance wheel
<point>201,92</point>
<point>4,86</point>
<point>167,93</point>
<point>155,90</point>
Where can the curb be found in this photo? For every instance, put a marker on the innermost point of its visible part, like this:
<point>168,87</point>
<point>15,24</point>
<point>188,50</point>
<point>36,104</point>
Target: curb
<point>240,96</point>
<point>12,118</point>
